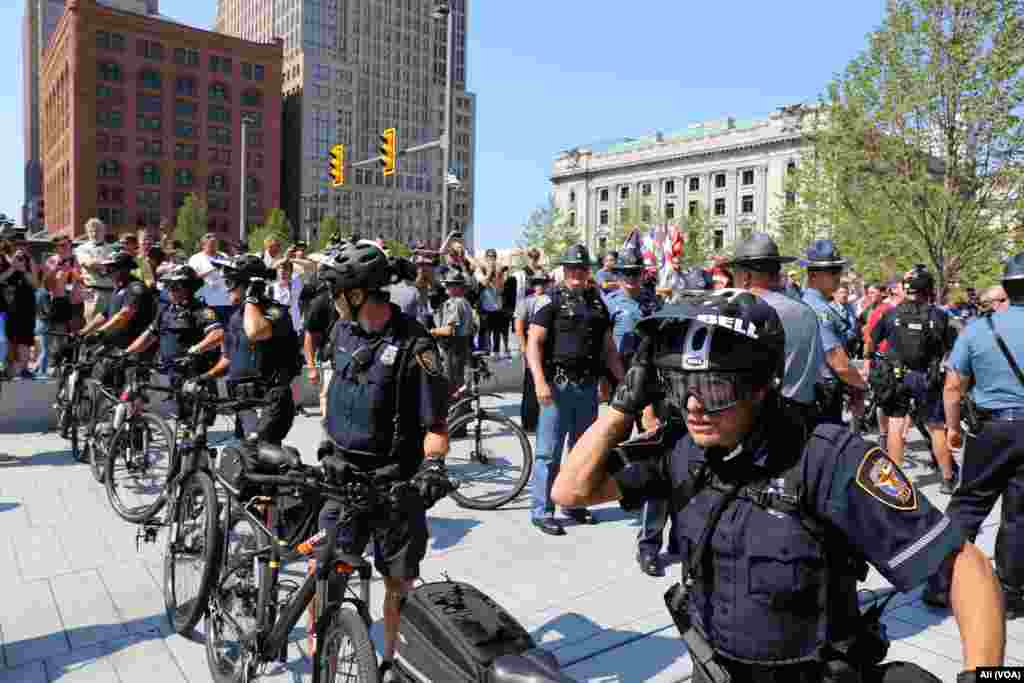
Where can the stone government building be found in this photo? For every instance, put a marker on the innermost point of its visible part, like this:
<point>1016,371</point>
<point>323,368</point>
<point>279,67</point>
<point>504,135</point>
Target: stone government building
<point>734,168</point>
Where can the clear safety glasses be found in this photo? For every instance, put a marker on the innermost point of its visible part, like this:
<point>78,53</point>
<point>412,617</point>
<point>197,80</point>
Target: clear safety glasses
<point>716,391</point>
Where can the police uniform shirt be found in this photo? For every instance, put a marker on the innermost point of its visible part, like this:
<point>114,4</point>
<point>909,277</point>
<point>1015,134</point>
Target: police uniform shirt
<point>625,312</point>
<point>576,327</point>
<point>262,359</point>
<point>804,354</point>
<point>177,327</point>
<point>457,313</point>
<point>761,599</point>
<point>831,337</point>
<point>361,399</point>
<point>976,354</point>
<point>138,296</point>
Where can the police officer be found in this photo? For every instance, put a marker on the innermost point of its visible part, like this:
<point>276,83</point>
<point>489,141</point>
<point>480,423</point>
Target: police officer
<point>825,267</point>
<point>455,328</point>
<point>260,351</point>
<point>757,265</point>
<point>185,325</point>
<point>384,362</point>
<point>992,456</point>
<point>569,345</point>
<point>919,336</point>
<point>776,522</point>
<point>526,307</point>
<point>318,321</point>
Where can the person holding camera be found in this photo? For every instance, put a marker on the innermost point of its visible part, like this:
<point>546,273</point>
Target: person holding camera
<point>259,343</point>
<point>62,278</point>
<point>777,520</point>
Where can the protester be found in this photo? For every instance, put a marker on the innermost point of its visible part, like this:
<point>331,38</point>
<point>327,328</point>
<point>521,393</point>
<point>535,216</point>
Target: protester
<point>90,254</point>
<point>19,282</point>
<point>62,277</point>
<point>271,251</point>
<point>213,292</point>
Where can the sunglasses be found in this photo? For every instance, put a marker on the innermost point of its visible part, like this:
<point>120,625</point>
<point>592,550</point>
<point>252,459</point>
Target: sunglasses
<point>716,391</point>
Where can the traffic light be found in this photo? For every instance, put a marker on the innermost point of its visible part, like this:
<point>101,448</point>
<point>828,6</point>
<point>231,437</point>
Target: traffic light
<point>337,165</point>
<point>389,150</point>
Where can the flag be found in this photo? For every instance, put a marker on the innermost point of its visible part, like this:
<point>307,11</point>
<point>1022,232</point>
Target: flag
<point>677,244</point>
<point>633,241</point>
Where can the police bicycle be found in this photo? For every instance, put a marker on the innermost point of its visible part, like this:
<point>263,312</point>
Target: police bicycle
<point>489,454</point>
<point>74,406</point>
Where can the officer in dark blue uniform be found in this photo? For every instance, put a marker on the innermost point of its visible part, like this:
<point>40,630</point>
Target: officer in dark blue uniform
<point>993,456</point>
<point>260,352</point>
<point>775,523</point>
<point>569,346</point>
<point>387,407</point>
<point>825,267</point>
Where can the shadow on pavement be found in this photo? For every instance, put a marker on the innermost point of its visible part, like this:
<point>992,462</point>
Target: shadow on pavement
<point>447,532</point>
<point>38,459</point>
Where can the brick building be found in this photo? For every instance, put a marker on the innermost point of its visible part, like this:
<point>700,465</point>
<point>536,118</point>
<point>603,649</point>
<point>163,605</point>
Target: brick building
<point>138,111</point>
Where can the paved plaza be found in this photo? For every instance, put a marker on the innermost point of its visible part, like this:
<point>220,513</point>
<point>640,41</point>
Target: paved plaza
<point>79,603</point>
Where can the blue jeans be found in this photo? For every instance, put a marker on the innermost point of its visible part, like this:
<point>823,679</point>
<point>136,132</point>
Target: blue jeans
<point>43,360</point>
<point>572,411</point>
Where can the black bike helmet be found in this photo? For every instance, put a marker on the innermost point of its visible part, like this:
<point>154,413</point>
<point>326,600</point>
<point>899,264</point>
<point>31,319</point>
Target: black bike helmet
<point>576,255</point>
<point>455,278</point>
<point>361,265</point>
<point>120,260</point>
<point>184,276</point>
<point>242,269</point>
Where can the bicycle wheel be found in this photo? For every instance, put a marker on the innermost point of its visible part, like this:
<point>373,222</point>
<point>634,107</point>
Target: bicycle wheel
<point>191,559</point>
<point>347,653</point>
<point>83,411</point>
<point>233,605</point>
<point>140,461</point>
<point>490,457</point>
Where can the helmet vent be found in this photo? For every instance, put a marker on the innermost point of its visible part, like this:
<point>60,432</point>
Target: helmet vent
<point>699,337</point>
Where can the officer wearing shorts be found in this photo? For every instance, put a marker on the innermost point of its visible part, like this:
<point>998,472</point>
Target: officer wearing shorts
<point>384,363</point>
<point>776,522</point>
<point>993,457</point>
<point>454,331</point>
<point>319,321</point>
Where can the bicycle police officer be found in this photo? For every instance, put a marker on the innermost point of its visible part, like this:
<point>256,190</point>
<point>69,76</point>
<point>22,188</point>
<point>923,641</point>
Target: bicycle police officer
<point>386,415</point>
<point>260,351</point>
<point>776,522</point>
<point>992,456</point>
<point>569,344</point>
<point>825,268</point>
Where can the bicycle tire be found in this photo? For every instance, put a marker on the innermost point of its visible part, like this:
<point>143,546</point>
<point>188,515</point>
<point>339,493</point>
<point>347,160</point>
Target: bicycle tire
<point>470,425</point>
<point>346,624</point>
<point>121,453</point>
<point>236,584</point>
<point>83,413</point>
<point>184,614</point>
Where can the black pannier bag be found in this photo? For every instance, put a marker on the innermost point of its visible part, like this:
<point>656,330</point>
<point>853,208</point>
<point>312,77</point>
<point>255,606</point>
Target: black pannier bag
<point>452,632</point>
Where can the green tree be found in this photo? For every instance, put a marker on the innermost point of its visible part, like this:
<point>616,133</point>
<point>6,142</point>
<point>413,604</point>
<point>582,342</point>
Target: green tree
<point>276,225</point>
<point>396,248</point>
<point>191,224</point>
<point>548,230</point>
<point>916,148</point>
<point>697,239</point>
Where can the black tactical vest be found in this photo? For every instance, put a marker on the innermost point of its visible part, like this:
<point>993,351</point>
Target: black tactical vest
<point>917,334</point>
<point>576,339</point>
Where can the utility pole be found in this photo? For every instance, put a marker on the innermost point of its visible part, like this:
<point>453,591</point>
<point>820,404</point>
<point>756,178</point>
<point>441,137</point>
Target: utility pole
<point>444,9</point>
<point>242,189</point>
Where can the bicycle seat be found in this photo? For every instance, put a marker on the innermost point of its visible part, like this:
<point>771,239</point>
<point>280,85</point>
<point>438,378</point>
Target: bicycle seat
<point>278,457</point>
<point>533,666</point>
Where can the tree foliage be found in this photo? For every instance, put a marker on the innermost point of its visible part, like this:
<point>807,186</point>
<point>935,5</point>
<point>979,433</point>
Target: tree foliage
<point>548,230</point>
<point>276,225</point>
<point>191,223</point>
<point>917,147</point>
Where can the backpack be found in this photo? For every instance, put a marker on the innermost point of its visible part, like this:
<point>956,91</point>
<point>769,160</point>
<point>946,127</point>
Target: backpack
<point>918,335</point>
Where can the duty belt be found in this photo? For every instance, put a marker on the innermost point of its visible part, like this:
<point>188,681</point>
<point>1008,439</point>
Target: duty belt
<point>1002,414</point>
<point>568,374</point>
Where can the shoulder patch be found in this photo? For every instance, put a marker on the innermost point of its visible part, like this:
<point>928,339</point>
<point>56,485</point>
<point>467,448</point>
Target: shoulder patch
<point>883,480</point>
<point>209,315</point>
<point>429,359</point>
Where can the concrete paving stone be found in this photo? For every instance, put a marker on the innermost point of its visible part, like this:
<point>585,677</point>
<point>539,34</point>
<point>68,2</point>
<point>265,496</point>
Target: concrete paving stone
<point>39,553</point>
<point>31,624</point>
<point>605,640</point>
<point>84,543</point>
<point>86,609</point>
<point>144,659</point>
<point>658,658</point>
<point>190,656</point>
<point>90,664</point>
<point>943,667</point>
<point>45,506</point>
<point>33,672</point>
<point>137,598</point>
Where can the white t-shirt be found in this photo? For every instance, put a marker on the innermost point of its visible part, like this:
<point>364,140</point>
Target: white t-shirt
<point>213,291</point>
<point>94,251</point>
<point>289,296</point>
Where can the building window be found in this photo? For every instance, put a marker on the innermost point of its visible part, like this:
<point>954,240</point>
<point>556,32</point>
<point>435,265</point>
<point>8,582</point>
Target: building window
<point>645,189</point>
<point>572,219</point>
<point>745,232</point>
<point>106,40</point>
<point>747,203</point>
<point>624,192</point>
<point>252,185</point>
<point>104,92</point>
<point>670,187</point>
<point>186,152</point>
<point>791,168</point>
<point>110,71</point>
<point>217,202</point>
<point>252,72</point>
<point>183,177</point>
<point>185,85</point>
<point>256,160</point>
<point>748,177</point>
<point>150,79</point>
<point>149,104</point>
<point>720,206</point>
<point>102,142</point>
<point>110,216</point>
<point>251,98</point>
<point>185,56</point>
<point>219,92</point>
<point>790,200</point>
<point>623,214</point>
<point>220,156</point>
<point>149,174</point>
<point>692,209</point>
<point>109,195</point>
<point>719,181</point>
<point>147,122</point>
<point>149,148</point>
<point>218,182</point>
<point>645,213</point>
<point>187,110</point>
<point>572,196</point>
<point>109,168</point>
<point>147,197</point>
<point>220,64</point>
<point>604,194</point>
<point>670,210</point>
<point>219,135</point>
<point>109,118</point>
<point>603,217</point>
<point>253,119</point>
<point>117,144</point>
<point>719,239</point>
<point>218,114</point>
<point>254,139</point>
<point>150,49</point>
<point>148,217</point>
<point>184,129</point>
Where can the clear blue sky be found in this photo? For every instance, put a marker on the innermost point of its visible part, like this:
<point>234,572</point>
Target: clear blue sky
<point>553,74</point>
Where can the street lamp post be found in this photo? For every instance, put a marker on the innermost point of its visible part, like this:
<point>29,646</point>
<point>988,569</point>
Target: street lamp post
<point>241,213</point>
<point>444,10</point>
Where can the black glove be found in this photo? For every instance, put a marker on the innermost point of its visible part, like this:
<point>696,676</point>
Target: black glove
<point>967,677</point>
<point>432,481</point>
<point>256,291</point>
<point>638,389</point>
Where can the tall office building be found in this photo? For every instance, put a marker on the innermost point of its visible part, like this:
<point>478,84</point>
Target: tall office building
<point>351,69</point>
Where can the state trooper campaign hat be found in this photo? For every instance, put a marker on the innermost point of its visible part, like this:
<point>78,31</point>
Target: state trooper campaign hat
<point>630,261</point>
<point>759,248</point>
<point>576,255</point>
<point>823,255</point>
<point>1014,268</point>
